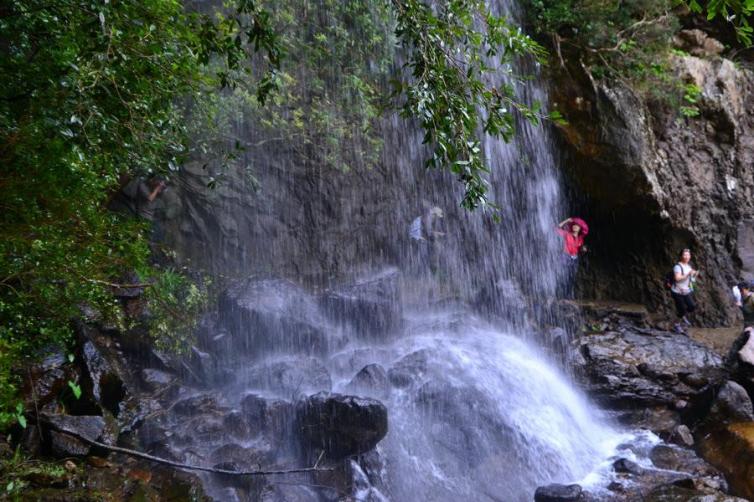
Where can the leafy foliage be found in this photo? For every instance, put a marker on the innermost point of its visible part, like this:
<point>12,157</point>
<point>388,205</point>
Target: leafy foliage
<point>623,40</point>
<point>96,94</point>
<point>453,49</point>
<point>691,96</point>
<point>17,471</point>
<point>175,303</point>
<point>327,104</point>
<point>88,100</point>
<point>738,12</point>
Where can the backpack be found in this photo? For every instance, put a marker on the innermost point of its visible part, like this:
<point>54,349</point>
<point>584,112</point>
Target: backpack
<point>669,279</point>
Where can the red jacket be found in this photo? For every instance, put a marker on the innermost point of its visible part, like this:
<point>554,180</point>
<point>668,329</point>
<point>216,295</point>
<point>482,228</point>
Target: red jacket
<point>571,244</point>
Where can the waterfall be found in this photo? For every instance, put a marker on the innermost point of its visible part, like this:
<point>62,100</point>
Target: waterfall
<point>478,406</point>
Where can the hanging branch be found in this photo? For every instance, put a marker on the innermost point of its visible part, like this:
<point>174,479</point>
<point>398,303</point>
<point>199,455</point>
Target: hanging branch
<point>171,463</point>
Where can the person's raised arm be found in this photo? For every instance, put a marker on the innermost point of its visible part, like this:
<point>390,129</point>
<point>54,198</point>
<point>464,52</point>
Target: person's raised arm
<point>560,225</point>
<point>154,193</point>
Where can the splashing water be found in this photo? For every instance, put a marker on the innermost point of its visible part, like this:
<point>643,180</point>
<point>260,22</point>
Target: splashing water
<point>476,409</point>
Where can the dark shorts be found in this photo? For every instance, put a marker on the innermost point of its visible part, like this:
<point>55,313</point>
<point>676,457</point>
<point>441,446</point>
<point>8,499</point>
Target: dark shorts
<point>684,304</point>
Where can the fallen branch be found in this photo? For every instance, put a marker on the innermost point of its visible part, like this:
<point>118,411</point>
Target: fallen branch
<point>164,461</point>
<point>119,286</point>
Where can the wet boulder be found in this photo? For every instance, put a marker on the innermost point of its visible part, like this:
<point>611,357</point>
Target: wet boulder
<point>47,380</point>
<point>732,404</point>
<point>195,405</point>
<point>156,380</point>
<point>463,420</point>
<point>410,369</point>
<point>105,375</point>
<point>289,376</point>
<point>340,425</point>
<point>640,367</point>
<point>370,305</point>
<point>674,458</point>
<point>558,493</point>
<point>272,315</point>
<point>65,430</point>
<point>625,466</point>
<point>372,378</point>
<point>271,417</point>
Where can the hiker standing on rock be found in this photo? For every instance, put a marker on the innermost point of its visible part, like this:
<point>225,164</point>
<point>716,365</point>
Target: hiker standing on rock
<point>682,290</point>
<point>746,303</point>
<point>426,230</point>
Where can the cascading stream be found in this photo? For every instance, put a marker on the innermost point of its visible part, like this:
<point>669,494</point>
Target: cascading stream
<point>477,409</point>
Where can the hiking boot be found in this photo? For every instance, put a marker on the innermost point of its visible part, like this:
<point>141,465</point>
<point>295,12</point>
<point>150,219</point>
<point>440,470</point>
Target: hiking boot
<point>678,328</point>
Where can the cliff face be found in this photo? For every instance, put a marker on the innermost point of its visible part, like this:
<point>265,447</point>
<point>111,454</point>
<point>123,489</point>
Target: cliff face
<point>653,182</point>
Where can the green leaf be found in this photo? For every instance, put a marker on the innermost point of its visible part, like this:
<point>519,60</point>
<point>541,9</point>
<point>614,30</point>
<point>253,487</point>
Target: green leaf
<point>75,388</point>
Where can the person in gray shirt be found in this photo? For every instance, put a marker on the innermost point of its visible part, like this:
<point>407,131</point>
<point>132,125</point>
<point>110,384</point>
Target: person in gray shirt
<point>682,290</point>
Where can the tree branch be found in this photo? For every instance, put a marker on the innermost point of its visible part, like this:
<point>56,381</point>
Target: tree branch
<point>171,463</point>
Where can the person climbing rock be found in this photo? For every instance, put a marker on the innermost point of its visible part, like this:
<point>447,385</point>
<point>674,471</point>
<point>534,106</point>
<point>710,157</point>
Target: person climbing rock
<point>746,303</point>
<point>682,290</point>
<point>573,231</point>
<point>427,227</point>
<point>426,230</point>
<point>137,195</point>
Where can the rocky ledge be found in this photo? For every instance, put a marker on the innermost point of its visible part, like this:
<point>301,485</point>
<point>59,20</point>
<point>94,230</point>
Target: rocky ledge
<point>697,400</point>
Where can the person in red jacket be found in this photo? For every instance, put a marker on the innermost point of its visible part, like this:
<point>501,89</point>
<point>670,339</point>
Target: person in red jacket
<point>573,231</point>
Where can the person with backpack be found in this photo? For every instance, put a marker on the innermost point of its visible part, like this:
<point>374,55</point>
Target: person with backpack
<point>746,303</point>
<point>682,290</point>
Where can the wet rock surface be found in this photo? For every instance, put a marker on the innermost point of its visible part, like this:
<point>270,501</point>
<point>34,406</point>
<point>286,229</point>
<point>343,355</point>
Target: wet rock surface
<point>372,378</point>
<point>558,493</point>
<point>370,305</point>
<point>340,425</point>
<point>640,367</point>
<point>65,445</point>
<point>680,182</point>
<point>289,376</point>
<point>732,404</point>
<point>265,316</point>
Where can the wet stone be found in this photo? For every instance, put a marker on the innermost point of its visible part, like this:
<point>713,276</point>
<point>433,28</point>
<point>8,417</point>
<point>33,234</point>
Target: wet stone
<point>732,404</point>
<point>156,380</point>
<point>341,425</point>
<point>195,405</point>
<point>625,466</point>
<point>272,416</point>
<point>558,493</point>
<point>63,445</point>
<point>236,425</point>
<point>290,376</point>
<point>372,378</point>
<point>410,369</point>
<point>370,305</point>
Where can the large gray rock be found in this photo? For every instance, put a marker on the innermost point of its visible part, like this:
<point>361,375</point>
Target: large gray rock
<point>558,493</point>
<point>289,376</point>
<point>372,378</point>
<point>410,369</point>
<point>370,305</point>
<point>272,417</point>
<point>732,404</point>
<point>340,425</point>
<point>679,182</point>
<point>273,315</point>
<point>66,445</point>
<point>640,367</point>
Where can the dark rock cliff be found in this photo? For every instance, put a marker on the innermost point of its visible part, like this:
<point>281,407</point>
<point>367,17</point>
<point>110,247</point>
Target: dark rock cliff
<point>652,182</point>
